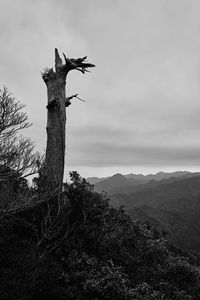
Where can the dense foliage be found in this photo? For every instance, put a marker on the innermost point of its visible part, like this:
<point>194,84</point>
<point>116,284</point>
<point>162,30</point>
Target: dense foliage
<point>76,246</point>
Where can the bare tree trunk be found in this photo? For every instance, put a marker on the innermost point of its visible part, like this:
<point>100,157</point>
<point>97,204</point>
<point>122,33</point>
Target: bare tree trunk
<point>56,119</point>
<point>56,116</point>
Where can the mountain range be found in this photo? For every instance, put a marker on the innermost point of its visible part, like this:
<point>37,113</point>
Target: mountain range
<point>168,201</point>
<point>126,184</point>
<point>158,176</point>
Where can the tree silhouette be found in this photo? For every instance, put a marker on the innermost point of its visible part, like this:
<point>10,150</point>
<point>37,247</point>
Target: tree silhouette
<point>56,118</point>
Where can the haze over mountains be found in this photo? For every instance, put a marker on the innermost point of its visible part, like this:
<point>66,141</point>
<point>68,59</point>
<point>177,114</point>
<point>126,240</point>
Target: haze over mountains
<point>125,184</point>
<point>158,176</point>
<point>169,201</point>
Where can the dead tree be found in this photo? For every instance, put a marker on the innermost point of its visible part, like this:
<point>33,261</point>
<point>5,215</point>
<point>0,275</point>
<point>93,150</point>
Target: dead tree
<point>55,80</point>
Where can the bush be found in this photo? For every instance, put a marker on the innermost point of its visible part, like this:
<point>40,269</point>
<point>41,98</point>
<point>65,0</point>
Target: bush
<point>76,246</point>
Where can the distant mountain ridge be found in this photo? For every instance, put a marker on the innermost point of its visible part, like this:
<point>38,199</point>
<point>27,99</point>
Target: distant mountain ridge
<point>95,180</point>
<point>109,185</point>
<point>168,201</point>
<point>125,184</point>
<point>166,194</point>
<point>159,176</point>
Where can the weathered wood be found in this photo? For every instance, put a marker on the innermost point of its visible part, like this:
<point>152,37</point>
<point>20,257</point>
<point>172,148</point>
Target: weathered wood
<point>53,169</point>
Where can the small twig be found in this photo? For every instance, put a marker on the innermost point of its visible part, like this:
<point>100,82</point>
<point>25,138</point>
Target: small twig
<point>80,99</point>
<point>74,96</point>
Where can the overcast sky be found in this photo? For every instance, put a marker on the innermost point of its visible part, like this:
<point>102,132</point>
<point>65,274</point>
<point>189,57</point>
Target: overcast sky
<point>143,98</point>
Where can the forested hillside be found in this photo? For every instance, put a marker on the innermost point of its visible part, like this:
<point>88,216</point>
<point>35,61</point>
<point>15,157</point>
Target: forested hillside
<point>77,246</point>
<point>173,205</point>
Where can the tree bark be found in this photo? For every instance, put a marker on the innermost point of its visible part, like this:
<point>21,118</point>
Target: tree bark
<point>53,169</point>
<point>56,119</point>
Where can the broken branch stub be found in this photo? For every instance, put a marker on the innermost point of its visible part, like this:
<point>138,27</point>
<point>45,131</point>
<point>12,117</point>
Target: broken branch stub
<point>68,99</point>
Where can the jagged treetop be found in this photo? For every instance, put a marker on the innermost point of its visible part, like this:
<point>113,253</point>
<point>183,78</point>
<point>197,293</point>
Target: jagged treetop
<point>61,69</point>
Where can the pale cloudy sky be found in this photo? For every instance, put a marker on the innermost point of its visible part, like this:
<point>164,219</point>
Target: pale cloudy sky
<point>143,97</point>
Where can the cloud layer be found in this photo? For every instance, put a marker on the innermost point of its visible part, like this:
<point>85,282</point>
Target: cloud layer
<point>142,109</point>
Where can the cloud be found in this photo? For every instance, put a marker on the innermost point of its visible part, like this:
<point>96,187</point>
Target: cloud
<point>134,155</point>
<point>142,98</point>
<point>102,147</point>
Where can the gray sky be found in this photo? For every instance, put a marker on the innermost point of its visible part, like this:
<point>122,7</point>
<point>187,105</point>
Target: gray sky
<point>143,97</point>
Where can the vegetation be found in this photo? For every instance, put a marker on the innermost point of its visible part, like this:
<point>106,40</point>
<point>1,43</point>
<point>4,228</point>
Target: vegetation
<point>16,152</point>
<point>77,246</point>
<point>17,156</point>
